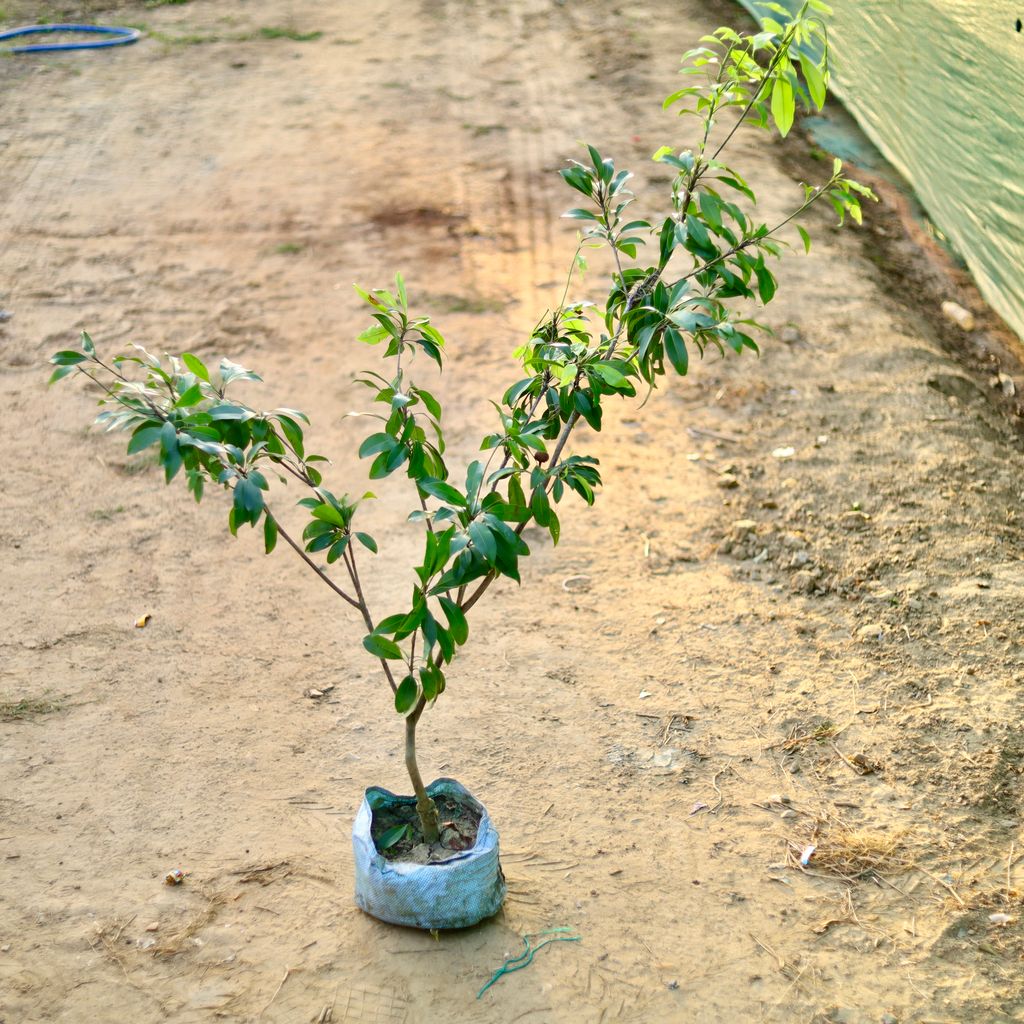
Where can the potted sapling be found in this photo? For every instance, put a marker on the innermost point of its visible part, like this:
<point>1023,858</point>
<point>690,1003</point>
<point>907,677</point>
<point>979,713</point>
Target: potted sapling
<point>431,859</point>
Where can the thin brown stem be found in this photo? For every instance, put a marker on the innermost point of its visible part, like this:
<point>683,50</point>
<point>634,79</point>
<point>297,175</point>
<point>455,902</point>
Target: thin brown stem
<point>297,548</point>
<point>349,558</point>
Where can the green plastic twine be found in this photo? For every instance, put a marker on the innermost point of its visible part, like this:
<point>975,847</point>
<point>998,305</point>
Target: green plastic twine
<point>517,963</point>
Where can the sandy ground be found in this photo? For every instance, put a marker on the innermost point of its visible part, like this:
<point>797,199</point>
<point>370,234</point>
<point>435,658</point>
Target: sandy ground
<point>853,648</point>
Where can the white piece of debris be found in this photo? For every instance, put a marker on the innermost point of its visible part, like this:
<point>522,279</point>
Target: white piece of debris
<point>783,453</point>
<point>955,313</point>
<point>1001,919</point>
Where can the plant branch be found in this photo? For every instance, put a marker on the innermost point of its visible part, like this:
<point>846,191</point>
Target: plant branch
<point>779,54</point>
<point>297,548</point>
<point>350,563</point>
<point>754,239</point>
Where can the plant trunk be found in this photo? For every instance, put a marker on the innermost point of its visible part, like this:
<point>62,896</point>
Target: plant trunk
<point>425,807</point>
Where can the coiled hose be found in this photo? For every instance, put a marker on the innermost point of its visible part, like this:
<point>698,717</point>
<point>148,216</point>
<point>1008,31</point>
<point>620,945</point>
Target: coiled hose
<point>119,37</point>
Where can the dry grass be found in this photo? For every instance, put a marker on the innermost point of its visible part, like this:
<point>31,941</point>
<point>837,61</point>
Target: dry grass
<point>178,940</point>
<point>853,853</point>
<point>109,936</point>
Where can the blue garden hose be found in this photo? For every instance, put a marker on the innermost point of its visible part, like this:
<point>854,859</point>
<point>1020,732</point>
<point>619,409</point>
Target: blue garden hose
<point>121,37</point>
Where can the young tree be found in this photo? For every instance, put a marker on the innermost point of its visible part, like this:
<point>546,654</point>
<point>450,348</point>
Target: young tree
<point>708,250</point>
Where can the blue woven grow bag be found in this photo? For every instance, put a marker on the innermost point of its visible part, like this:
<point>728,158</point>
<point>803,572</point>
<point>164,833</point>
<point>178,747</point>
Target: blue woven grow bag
<point>455,893</point>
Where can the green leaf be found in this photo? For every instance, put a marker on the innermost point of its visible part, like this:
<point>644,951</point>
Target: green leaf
<point>269,533</point>
<point>666,241</point>
<point>168,438</point>
<point>68,358</point>
<point>391,836</point>
<point>329,514</point>
<point>143,438</point>
<point>321,541</point>
<point>474,478</point>
<point>376,443</point>
<point>192,396</point>
<point>554,526</point>
<point>610,375</point>
<point>456,620</point>
<point>367,541</point>
<point>337,549</point>
<point>60,373</point>
<point>578,214</point>
<point>815,80</point>
<point>405,697</point>
<point>432,404</point>
<point>248,497</point>
<point>675,349</point>
<point>483,540</point>
<point>373,335</point>
<point>442,491</point>
<point>806,238</point>
<point>765,284</point>
<point>783,105</point>
<point>197,366</point>
<point>230,371</point>
<point>432,681</point>
<point>540,507</point>
<point>381,647</point>
<point>87,346</point>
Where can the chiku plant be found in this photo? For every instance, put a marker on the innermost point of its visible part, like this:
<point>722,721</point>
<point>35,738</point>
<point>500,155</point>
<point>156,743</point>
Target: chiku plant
<point>709,250</point>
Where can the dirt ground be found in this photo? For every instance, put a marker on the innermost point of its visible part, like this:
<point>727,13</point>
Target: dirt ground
<point>734,655</point>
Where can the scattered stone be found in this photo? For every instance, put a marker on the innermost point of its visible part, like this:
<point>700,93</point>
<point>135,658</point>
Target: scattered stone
<point>576,584</point>
<point>803,582</point>
<point>854,519</point>
<point>154,926</point>
<point>783,453</point>
<point>5,948</point>
<point>743,526</point>
<point>790,334</point>
<point>1005,383</point>
<point>864,763</point>
<point>872,631</point>
<point>728,482</point>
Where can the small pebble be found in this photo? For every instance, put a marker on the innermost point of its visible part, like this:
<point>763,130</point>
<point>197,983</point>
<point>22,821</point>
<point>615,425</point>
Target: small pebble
<point>872,631</point>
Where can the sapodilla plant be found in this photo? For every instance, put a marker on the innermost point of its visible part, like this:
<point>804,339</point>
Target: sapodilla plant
<point>708,250</point>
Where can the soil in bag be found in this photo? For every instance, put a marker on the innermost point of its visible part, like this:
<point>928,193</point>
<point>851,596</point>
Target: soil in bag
<point>398,836</point>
